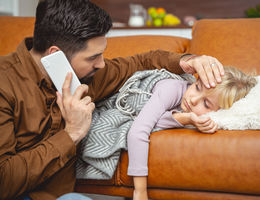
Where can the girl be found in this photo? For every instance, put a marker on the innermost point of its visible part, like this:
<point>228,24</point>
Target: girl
<point>174,104</point>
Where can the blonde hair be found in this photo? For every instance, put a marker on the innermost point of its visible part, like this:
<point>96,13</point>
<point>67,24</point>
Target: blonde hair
<point>234,86</point>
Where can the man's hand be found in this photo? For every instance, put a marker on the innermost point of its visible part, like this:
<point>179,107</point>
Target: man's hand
<point>76,111</point>
<point>203,124</point>
<point>208,68</point>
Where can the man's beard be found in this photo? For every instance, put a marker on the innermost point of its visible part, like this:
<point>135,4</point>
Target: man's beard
<point>88,78</point>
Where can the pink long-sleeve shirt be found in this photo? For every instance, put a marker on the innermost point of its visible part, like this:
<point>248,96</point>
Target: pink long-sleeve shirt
<point>157,112</point>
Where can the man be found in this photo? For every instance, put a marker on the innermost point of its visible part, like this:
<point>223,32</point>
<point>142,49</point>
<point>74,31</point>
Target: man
<point>40,128</point>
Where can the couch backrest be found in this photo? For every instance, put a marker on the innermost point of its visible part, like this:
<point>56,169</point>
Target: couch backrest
<point>130,45</point>
<point>234,42</point>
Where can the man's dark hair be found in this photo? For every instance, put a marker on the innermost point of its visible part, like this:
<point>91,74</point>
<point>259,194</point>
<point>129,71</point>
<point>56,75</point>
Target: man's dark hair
<point>68,24</point>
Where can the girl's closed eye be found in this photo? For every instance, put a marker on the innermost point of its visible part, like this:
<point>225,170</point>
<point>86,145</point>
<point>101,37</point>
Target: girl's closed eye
<point>206,104</point>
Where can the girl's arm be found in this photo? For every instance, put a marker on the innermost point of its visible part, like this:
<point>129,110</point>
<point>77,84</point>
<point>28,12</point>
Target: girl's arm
<point>183,118</point>
<point>140,192</point>
<point>138,144</point>
<point>166,94</point>
<point>202,123</point>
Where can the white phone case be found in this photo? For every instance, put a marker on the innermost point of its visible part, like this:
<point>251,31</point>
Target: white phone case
<point>57,67</point>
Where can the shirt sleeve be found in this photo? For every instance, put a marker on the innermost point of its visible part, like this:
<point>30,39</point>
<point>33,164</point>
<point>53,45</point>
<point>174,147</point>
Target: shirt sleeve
<point>167,121</point>
<point>109,80</point>
<point>22,171</point>
<point>166,95</point>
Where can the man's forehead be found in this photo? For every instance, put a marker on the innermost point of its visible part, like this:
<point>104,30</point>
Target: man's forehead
<point>96,46</point>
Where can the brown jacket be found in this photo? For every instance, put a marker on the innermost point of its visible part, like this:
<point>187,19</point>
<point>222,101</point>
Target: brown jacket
<point>37,157</point>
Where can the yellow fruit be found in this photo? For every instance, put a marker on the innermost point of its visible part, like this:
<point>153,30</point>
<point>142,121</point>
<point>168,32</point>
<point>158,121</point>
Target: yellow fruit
<point>148,23</point>
<point>171,20</point>
<point>151,10</point>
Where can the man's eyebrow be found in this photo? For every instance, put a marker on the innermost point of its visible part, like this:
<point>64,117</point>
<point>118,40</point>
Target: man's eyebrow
<point>98,54</point>
<point>95,55</point>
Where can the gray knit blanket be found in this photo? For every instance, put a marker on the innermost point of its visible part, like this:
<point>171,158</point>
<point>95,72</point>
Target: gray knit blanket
<point>111,121</point>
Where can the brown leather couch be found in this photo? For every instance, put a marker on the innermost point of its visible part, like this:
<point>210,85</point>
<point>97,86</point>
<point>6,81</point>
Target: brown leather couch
<point>184,164</point>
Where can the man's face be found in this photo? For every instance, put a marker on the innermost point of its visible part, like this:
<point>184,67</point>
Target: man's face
<point>197,100</point>
<point>86,62</point>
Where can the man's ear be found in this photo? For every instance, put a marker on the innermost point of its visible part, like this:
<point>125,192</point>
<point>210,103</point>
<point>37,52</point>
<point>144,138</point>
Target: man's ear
<point>53,49</point>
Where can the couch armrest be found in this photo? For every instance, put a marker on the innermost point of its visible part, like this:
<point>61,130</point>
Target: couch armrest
<point>226,161</point>
<point>191,163</point>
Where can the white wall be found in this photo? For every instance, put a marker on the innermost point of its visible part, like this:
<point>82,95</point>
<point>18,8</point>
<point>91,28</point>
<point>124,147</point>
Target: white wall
<point>18,7</point>
<point>6,7</point>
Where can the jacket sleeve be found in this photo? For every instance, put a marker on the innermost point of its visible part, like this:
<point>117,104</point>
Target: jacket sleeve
<point>22,171</point>
<point>110,79</point>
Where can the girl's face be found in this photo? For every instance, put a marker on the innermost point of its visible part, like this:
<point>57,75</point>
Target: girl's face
<point>197,100</point>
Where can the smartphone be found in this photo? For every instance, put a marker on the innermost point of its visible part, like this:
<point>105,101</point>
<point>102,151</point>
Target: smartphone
<point>57,67</point>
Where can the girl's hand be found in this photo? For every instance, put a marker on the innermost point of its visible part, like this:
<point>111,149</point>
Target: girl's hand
<point>203,124</point>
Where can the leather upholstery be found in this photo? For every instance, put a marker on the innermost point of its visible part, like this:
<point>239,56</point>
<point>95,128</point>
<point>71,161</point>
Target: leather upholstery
<point>127,46</point>
<point>13,30</point>
<point>234,42</point>
<point>184,164</point>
